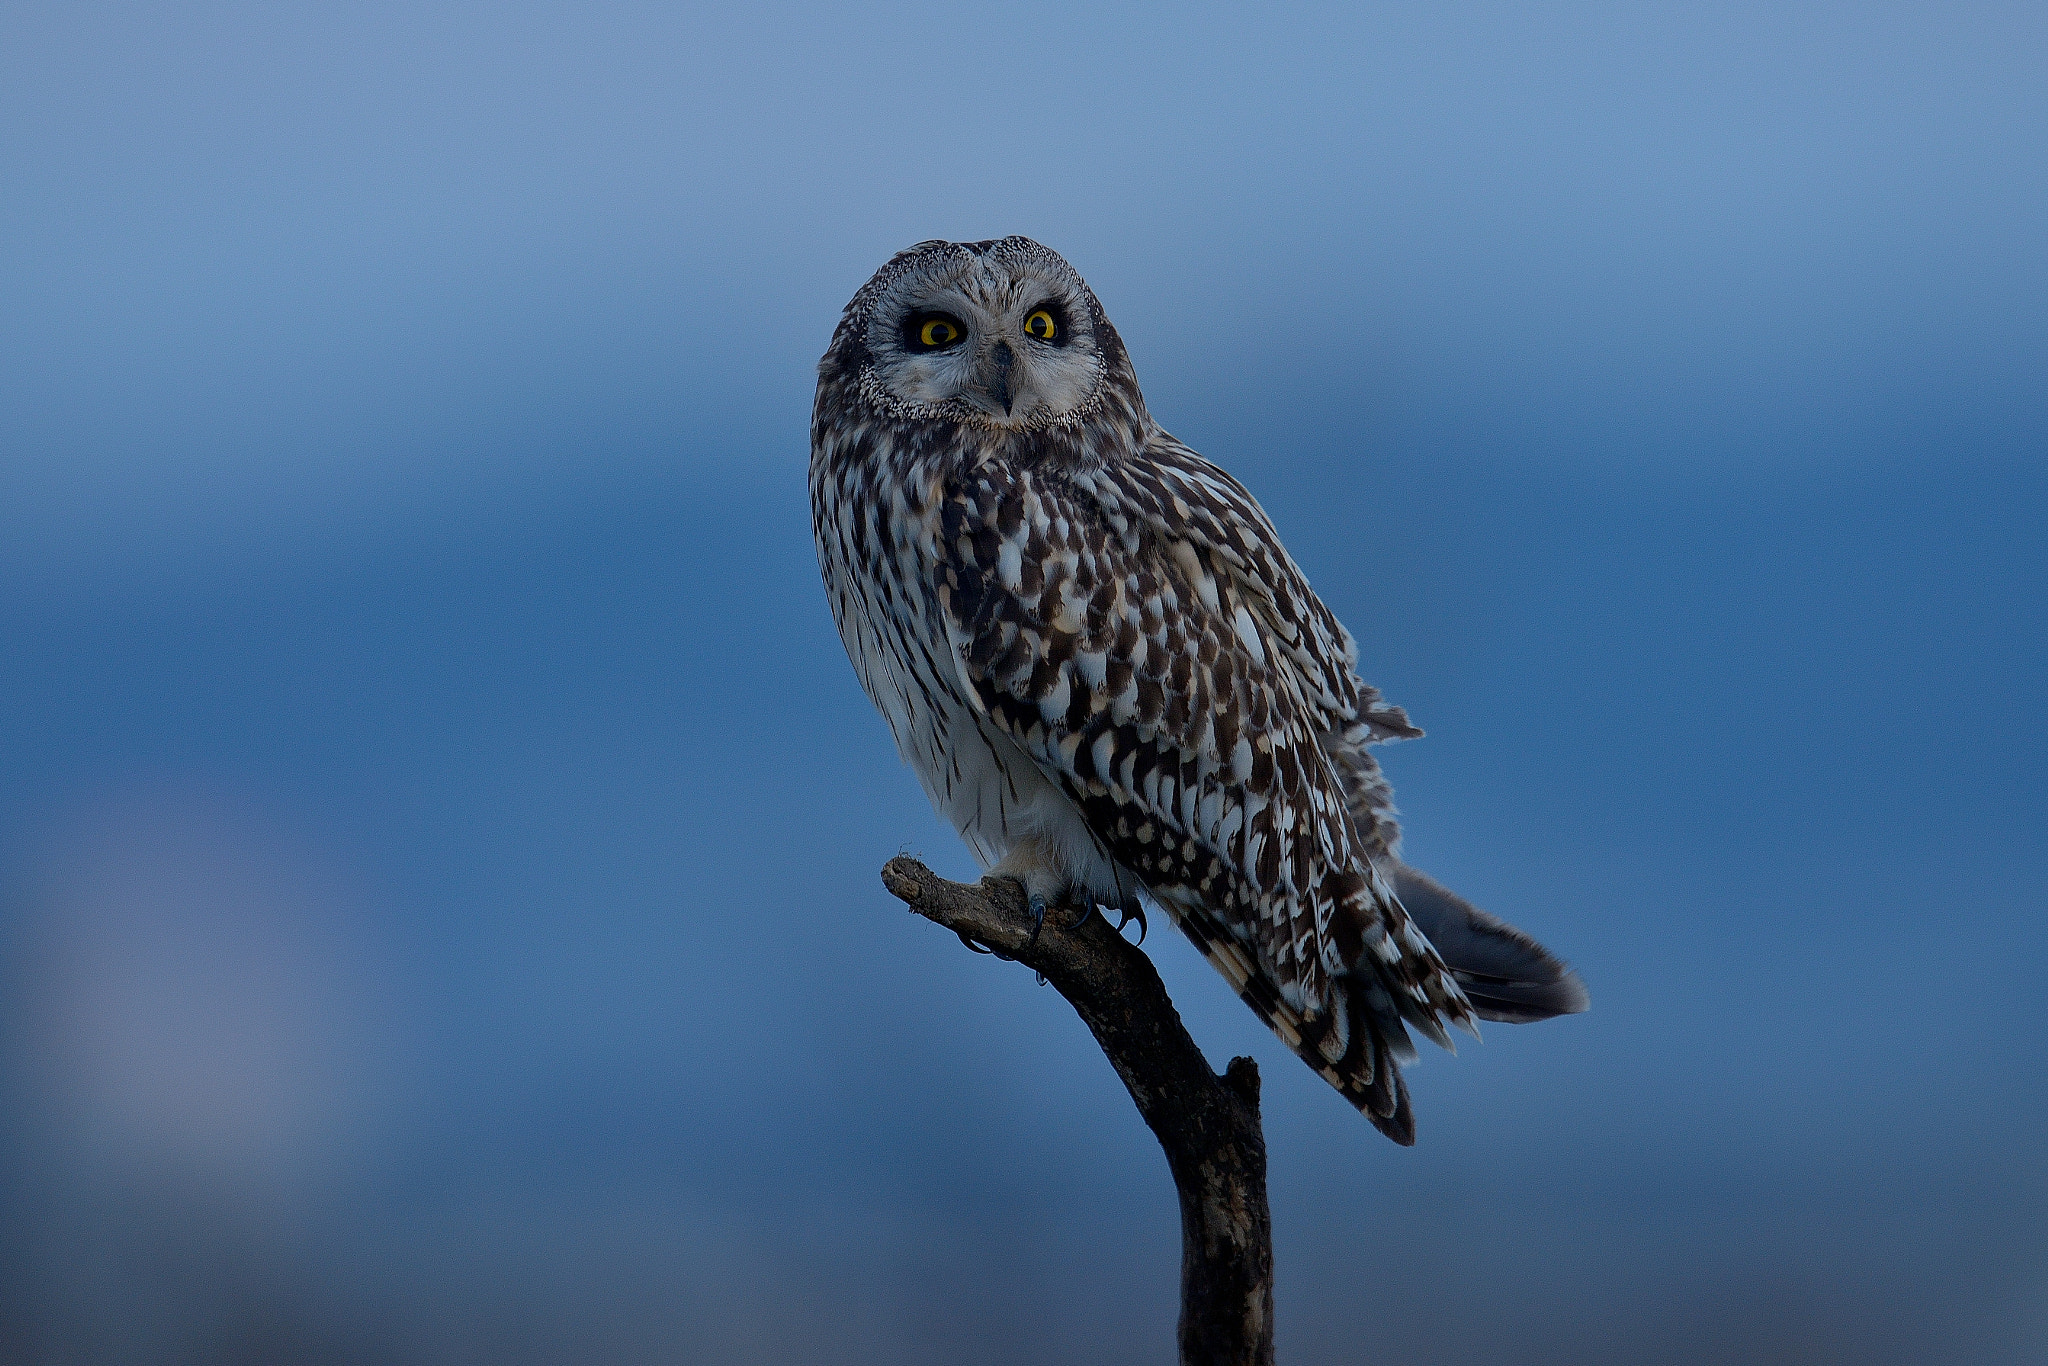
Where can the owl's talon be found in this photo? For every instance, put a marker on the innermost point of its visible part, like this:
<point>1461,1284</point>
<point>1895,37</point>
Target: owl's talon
<point>1087,914</point>
<point>1037,908</point>
<point>1137,914</point>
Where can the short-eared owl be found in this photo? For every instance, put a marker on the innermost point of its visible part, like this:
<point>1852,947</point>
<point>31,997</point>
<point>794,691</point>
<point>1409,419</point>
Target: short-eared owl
<point>1111,677</point>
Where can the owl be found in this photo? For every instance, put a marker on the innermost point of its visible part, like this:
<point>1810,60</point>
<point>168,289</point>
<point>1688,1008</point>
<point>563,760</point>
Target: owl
<point>1108,674</point>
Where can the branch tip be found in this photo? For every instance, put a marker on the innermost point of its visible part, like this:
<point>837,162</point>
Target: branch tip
<point>1242,1076</point>
<point>902,884</point>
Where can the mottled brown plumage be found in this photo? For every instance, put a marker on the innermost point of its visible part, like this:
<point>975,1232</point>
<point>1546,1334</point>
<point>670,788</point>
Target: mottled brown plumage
<point>1093,649</point>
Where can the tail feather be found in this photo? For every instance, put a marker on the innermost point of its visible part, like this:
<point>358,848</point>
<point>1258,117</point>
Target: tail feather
<point>1367,1072</point>
<point>1384,1097</point>
<point>1506,975</point>
<point>1435,958</point>
<point>1358,1047</point>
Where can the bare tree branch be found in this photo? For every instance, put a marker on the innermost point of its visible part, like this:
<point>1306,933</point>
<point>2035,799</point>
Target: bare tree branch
<point>1208,1125</point>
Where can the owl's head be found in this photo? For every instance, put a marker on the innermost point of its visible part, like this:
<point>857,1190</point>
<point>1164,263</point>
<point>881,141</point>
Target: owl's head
<point>992,334</point>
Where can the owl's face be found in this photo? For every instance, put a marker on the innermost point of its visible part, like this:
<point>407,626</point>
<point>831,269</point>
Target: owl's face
<point>997,333</point>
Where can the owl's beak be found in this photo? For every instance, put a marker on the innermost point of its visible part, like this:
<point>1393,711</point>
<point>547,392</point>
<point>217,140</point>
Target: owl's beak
<point>998,381</point>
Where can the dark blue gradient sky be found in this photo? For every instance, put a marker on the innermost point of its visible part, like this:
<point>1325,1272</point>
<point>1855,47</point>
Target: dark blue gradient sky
<point>438,826</point>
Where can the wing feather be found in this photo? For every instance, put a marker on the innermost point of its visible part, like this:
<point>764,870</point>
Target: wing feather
<point>1140,633</point>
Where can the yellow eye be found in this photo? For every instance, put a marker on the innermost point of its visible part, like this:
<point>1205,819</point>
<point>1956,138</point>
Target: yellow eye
<point>938,332</point>
<point>1041,325</point>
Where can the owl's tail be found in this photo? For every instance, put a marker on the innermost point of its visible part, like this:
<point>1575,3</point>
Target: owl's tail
<point>1360,1045</point>
<point>1506,975</point>
<point>1502,974</point>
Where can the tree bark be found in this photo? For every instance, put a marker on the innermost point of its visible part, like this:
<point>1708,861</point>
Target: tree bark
<point>1208,1124</point>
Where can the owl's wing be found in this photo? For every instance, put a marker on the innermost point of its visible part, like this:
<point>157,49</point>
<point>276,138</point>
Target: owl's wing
<point>1175,492</point>
<point>1507,976</point>
<point>1138,667</point>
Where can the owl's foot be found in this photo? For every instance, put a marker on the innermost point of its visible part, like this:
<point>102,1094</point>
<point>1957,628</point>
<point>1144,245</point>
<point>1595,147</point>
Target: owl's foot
<point>1038,907</point>
<point>1031,866</point>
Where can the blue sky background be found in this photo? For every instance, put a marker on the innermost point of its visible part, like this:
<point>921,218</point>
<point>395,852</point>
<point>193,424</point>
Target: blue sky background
<point>438,826</point>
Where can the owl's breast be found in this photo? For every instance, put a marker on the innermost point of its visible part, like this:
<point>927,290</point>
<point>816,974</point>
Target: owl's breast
<point>878,550</point>
<point>876,523</point>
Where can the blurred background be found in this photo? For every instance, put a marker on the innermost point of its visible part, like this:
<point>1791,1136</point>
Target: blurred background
<point>439,828</point>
